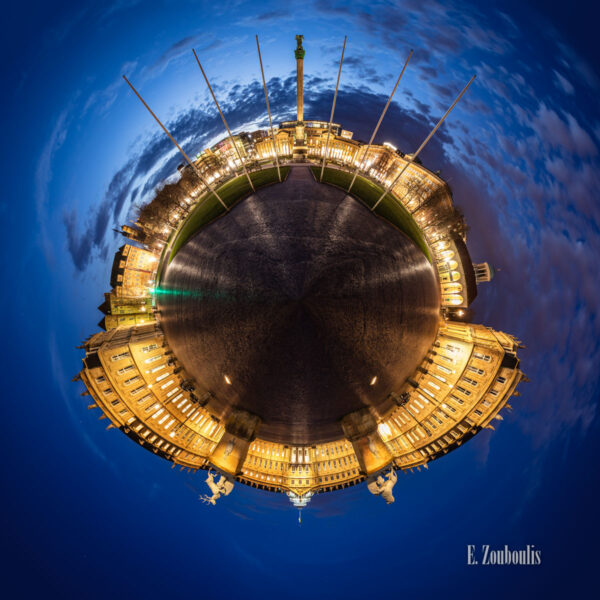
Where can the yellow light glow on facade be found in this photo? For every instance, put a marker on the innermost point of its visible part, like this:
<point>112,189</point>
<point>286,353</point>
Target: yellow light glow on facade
<point>384,430</point>
<point>458,389</point>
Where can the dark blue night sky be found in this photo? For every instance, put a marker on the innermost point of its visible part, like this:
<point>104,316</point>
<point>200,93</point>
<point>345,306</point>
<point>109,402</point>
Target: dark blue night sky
<point>89,514</point>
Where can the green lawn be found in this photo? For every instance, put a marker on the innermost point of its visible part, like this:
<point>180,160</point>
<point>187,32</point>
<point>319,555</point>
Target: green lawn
<point>389,208</point>
<point>209,208</point>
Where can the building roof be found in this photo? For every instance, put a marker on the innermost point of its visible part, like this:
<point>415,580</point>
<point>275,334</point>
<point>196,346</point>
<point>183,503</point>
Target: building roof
<point>116,270</point>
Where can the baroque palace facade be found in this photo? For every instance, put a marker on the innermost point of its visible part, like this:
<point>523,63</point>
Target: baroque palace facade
<point>460,387</point>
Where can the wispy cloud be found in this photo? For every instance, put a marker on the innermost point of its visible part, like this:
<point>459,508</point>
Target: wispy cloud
<point>112,8</point>
<point>43,177</point>
<point>102,99</point>
<point>563,83</point>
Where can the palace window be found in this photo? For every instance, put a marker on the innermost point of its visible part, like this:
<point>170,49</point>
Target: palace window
<point>480,356</point>
<point>451,288</point>
<point>121,356</point>
<point>137,390</point>
<point>158,413</point>
<point>428,392</point>
<point>453,300</point>
<point>501,379</point>
<point>475,370</point>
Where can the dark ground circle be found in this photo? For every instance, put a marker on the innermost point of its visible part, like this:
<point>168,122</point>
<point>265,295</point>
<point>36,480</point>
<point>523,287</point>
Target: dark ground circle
<point>300,296</point>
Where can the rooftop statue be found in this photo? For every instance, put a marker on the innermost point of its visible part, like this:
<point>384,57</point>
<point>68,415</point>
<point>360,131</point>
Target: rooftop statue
<point>222,487</point>
<point>383,487</point>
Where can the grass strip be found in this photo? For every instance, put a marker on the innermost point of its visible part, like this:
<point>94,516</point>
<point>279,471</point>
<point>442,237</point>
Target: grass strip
<point>231,192</point>
<point>389,208</point>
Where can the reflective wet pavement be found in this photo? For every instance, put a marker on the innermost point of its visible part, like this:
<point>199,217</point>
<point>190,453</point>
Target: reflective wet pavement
<point>300,297</point>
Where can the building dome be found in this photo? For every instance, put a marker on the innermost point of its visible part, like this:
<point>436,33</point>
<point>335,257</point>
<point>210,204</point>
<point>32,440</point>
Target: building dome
<point>299,306</point>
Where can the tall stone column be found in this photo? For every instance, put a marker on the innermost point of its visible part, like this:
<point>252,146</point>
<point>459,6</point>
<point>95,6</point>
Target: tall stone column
<point>300,148</point>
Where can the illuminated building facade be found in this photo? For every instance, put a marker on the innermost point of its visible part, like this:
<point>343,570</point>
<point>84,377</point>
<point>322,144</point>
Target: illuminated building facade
<point>459,388</point>
<point>133,271</point>
<point>124,311</point>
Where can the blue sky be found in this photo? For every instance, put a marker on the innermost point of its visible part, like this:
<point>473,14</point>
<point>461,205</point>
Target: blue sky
<point>521,155</point>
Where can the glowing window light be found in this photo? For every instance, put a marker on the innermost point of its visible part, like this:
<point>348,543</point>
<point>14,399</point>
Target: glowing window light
<point>384,430</point>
